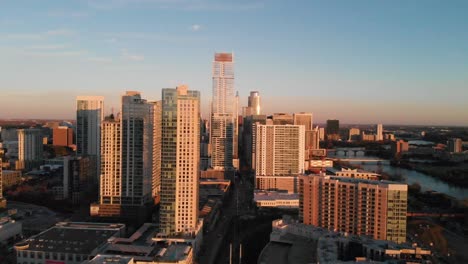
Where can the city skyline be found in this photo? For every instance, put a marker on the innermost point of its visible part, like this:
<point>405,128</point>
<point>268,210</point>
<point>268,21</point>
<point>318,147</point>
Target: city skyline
<point>328,57</point>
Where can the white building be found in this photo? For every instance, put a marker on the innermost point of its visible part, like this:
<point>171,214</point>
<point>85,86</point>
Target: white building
<point>279,149</point>
<point>379,136</point>
<point>180,160</point>
<point>222,112</point>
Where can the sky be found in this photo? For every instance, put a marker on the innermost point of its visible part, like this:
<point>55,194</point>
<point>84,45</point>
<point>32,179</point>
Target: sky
<point>363,62</point>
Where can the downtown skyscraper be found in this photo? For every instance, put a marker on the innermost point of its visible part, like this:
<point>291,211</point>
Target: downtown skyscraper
<point>222,112</point>
<point>180,160</point>
<point>89,116</point>
<point>127,159</point>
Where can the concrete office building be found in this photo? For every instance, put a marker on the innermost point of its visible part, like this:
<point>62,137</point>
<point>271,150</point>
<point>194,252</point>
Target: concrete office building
<point>312,139</point>
<point>180,160</point>
<point>62,136</point>
<point>356,206</point>
<point>222,112</point>
<point>29,148</point>
<point>454,145</point>
<point>304,119</point>
<point>279,150</point>
<point>333,129</point>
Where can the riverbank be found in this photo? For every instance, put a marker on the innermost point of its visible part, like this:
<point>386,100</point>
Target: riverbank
<point>454,174</point>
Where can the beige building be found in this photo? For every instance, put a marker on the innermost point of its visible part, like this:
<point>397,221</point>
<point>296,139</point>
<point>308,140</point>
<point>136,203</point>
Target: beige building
<point>279,150</point>
<point>29,148</point>
<point>280,183</point>
<point>356,206</point>
<point>304,119</point>
<point>10,178</point>
<point>180,160</point>
<point>156,175</point>
<point>358,174</point>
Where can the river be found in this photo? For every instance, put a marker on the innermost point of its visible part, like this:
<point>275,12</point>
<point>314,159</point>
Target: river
<point>426,182</point>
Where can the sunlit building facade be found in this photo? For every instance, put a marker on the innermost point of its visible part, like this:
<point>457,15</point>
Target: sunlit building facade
<point>180,160</point>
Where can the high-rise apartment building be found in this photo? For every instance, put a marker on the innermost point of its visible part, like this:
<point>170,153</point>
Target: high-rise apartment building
<point>156,176</point>
<point>248,138</point>
<point>126,180</point>
<point>180,160</point>
<point>379,135</point>
<point>279,150</point>
<point>136,123</point>
<point>235,137</point>
<point>304,119</point>
<point>356,206</point>
<point>29,148</point>
<point>222,112</point>
<point>89,115</point>
<point>62,136</point>
<point>111,158</point>
<point>455,145</point>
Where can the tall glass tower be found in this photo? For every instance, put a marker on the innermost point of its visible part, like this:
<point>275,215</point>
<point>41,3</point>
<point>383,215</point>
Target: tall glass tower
<point>222,112</point>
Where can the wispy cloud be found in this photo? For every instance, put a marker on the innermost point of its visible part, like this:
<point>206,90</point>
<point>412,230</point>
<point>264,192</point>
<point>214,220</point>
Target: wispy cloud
<point>130,56</point>
<point>99,59</point>
<point>47,47</point>
<point>41,35</point>
<point>195,27</point>
<point>62,53</point>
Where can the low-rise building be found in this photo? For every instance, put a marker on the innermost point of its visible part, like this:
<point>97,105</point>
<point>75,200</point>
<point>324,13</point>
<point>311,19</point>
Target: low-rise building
<point>147,246</point>
<point>10,178</point>
<point>358,174</point>
<point>67,243</point>
<point>265,199</point>
<point>295,243</point>
<point>9,230</point>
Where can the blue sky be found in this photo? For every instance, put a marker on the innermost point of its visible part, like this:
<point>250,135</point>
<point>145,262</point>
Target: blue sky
<point>402,62</point>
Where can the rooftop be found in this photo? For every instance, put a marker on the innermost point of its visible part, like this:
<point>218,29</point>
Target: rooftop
<point>273,195</point>
<point>111,259</point>
<point>79,238</point>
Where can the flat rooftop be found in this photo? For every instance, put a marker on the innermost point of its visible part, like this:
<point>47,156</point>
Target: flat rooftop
<point>78,238</point>
<point>141,246</point>
<point>111,259</point>
<point>271,196</point>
